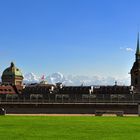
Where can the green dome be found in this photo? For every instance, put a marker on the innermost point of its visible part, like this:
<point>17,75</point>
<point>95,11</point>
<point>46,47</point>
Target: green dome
<point>12,71</point>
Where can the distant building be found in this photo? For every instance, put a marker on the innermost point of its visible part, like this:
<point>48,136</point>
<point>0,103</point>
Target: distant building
<point>135,71</point>
<point>12,81</point>
<point>12,76</point>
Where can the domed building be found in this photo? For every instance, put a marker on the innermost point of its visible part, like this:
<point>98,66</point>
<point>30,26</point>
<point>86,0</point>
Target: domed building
<point>12,76</point>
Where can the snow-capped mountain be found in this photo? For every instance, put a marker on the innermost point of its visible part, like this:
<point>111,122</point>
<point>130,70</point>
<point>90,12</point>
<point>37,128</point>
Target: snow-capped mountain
<point>58,77</point>
<point>76,80</point>
<point>31,78</point>
<point>55,78</point>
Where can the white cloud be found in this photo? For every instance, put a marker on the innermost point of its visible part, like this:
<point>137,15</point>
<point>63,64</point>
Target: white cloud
<point>129,49</point>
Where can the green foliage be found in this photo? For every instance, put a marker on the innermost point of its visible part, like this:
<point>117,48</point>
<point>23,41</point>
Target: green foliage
<point>69,128</point>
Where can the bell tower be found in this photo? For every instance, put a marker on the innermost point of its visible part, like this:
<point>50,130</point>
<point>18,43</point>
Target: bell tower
<point>135,71</point>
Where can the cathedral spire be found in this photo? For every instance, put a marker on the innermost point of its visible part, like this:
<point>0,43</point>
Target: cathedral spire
<point>138,49</point>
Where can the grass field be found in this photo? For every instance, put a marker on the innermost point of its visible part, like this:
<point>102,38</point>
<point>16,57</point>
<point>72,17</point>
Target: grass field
<point>69,128</point>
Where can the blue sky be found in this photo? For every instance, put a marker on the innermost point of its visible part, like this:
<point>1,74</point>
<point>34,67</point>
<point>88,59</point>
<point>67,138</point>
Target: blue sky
<point>80,37</point>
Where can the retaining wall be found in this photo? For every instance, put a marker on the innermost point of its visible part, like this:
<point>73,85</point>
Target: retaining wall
<point>67,108</point>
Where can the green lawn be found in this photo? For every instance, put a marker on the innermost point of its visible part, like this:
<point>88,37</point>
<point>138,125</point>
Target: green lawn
<point>69,128</point>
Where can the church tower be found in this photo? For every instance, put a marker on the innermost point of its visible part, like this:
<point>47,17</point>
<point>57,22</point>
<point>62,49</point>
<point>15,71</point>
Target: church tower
<point>135,71</point>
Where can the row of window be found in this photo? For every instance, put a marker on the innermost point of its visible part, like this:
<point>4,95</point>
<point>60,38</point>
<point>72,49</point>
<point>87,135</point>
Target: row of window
<point>6,90</point>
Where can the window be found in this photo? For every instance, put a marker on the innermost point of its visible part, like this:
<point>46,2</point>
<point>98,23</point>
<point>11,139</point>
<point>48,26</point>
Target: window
<point>136,81</point>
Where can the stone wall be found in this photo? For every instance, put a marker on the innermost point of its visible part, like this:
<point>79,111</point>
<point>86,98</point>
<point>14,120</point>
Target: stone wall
<point>67,108</point>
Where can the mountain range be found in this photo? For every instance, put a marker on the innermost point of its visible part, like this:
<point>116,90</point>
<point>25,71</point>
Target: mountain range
<point>74,80</point>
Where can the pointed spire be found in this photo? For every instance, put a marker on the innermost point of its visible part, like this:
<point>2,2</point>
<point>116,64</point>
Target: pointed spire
<point>138,48</point>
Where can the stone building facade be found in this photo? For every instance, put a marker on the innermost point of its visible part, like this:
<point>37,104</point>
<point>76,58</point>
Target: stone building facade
<point>135,71</point>
<point>12,76</point>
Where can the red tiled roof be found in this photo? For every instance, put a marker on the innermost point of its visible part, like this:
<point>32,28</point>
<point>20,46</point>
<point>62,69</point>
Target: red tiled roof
<point>7,89</point>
